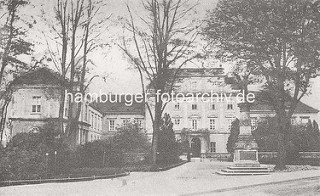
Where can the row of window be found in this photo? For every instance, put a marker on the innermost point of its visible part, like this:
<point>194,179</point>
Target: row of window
<point>195,84</point>
<point>303,120</point>
<point>212,123</point>
<point>125,121</point>
<point>194,106</point>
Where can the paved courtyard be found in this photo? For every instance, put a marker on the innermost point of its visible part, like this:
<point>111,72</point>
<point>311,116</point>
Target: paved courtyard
<point>195,178</point>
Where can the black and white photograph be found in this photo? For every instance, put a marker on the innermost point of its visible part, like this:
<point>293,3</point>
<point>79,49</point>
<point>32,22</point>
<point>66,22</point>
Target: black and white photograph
<point>159,97</point>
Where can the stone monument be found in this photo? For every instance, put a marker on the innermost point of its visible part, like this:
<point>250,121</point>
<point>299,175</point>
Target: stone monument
<point>246,148</point>
<point>245,157</point>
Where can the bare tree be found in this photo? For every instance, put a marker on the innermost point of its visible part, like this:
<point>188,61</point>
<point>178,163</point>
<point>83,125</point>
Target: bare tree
<point>165,42</point>
<point>80,27</point>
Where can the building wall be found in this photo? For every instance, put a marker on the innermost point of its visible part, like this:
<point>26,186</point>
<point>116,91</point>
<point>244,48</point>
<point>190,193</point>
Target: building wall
<point>297,118</point>
<point>112,121</point>
<point>216,120</point>
<point>34,105</point>
<point>25,98</point>
<point>183,115</point>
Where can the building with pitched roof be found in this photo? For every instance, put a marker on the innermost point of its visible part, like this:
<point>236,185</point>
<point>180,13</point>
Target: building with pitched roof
<point>117,112</point>
<point>35,102</point>
<point>206,122</point>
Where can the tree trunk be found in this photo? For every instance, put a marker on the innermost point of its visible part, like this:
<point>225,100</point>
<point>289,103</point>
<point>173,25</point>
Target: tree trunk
<point>156,129</point>
<point>281,159</point>
<point>61,109</point>
<point>282,134</point>
<point>4,114</point>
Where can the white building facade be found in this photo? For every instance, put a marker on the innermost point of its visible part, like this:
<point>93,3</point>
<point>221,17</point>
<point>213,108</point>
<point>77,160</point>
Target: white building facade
<point>35,102</point>
<point>204,106</point>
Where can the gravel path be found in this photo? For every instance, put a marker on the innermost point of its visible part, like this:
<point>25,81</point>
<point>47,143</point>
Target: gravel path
<point>195,178</point>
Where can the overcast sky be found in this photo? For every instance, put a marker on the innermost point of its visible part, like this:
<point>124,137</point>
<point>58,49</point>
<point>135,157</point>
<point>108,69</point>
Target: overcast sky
<point>111,62</point>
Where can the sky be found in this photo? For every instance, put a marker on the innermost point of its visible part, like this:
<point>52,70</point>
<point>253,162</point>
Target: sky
<point>110,61</point>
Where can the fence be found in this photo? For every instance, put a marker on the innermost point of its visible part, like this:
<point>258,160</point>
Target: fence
<point>217,156</point>
<point>264,156</point>
<point>40,181</point>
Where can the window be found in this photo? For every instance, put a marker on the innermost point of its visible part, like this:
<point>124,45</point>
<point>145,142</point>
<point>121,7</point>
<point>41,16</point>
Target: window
<point>229,107</point>
<point>293,120</point>
<point>194,107</point>
<point>304,119</point>
<point>194,124</point>
<point>212,124</point>
<point>138,121</point>
<point>230,120</point>
<point>213,106</point>
<point>86,113</point>
<point>95,121</point>
<point>177,121</point>
<point>177,106</point>
<point>194,85</point>
<point>111,125</point>
<point>34,130</point>
<point>212,146</point>
<point>125,121</point>
<point>36,106</point>
<point>66,111</point>
<point>253,123</point>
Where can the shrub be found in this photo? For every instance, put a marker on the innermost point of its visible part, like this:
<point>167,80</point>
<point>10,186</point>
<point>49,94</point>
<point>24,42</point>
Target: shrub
<point>168,148</point>
<point>301,137</point>
<point>110,152</point>
<point>233,137</point>
<point>32,155</point>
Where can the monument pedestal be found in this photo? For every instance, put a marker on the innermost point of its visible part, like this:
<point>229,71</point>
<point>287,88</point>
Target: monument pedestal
<point>246,151</point>
<point>245,157</point>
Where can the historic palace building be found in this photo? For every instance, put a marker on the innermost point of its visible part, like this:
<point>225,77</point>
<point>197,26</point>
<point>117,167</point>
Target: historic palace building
<point>204,106</point>
<point>202,109</point>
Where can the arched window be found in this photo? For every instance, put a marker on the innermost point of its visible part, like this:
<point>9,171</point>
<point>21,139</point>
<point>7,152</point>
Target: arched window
<point>34,130</point>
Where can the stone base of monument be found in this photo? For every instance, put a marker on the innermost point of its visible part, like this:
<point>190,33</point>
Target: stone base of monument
<point>245,163</point>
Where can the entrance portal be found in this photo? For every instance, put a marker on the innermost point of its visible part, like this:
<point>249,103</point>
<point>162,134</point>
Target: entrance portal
<point>195,147</point>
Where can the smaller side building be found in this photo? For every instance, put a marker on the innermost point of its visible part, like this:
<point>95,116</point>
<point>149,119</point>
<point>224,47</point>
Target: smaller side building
<point>117,112</point>
<point>36,101</point>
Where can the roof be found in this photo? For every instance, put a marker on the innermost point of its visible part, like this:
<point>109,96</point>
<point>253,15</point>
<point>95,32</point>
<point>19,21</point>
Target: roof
<point>119,105</point>
<point>301,107</point>
<point>200,72</point>
<point>41,75</point>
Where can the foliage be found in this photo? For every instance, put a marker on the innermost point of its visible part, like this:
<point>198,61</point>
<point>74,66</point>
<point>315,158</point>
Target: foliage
<point>277,40</point>
<point>32,155</point>
<point>97,154</point>
<point>129,138</point>
<point>301,138</point>
<point>13,45</point>
<point>13,36</point>
<point>233,137</point>
<point>168,149</point>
